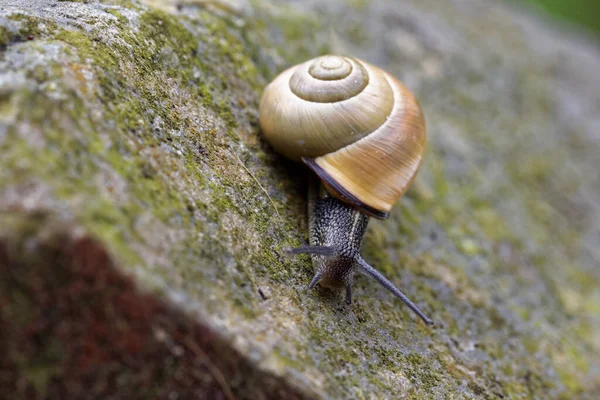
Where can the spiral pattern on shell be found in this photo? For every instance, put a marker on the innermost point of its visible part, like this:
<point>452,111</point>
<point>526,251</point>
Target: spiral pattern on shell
<point>329,79</point>
<point>355,125</point>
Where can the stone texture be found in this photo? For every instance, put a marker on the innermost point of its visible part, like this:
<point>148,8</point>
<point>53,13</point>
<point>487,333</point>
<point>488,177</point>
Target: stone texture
<point>143,218</point>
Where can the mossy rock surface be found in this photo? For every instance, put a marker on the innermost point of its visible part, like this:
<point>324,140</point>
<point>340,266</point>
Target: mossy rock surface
<point>143,218</point>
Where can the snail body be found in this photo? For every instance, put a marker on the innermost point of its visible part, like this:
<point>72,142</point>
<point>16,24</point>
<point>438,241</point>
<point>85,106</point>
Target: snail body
<point>363,133</point>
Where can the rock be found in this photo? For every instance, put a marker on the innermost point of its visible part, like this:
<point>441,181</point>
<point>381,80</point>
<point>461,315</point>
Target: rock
<point>143,218</point>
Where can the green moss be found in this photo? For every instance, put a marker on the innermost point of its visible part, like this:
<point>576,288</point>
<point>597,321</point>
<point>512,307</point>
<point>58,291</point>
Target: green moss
<point>5,37</point>
<point>572,380</point>
<point>28,28</point>
<point>44,367</point>
<point>420,372</point>
<point>85,48</point>
<point>120,17</point>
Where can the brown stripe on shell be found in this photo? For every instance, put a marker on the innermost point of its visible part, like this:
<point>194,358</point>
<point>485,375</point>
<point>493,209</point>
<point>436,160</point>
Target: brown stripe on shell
<point>378,168</point>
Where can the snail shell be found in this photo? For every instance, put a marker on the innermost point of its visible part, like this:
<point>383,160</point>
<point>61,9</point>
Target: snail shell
<point>353,124</point>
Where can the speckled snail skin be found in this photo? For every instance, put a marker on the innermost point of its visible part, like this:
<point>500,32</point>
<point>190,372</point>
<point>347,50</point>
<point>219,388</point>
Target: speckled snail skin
<point>363,133</point>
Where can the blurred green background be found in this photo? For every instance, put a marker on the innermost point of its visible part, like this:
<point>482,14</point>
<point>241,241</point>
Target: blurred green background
<point>585,13</point>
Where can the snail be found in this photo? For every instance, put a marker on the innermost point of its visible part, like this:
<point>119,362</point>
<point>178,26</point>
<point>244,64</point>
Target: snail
<point>363,134</point>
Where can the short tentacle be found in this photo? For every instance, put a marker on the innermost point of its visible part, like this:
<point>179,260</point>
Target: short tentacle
<point>314,281</point>
<point>318,250</point>
<point>349,294</point>
<point>368,270</point>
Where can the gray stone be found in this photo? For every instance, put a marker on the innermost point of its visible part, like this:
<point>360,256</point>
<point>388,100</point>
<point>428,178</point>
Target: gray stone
<point>143,218</point>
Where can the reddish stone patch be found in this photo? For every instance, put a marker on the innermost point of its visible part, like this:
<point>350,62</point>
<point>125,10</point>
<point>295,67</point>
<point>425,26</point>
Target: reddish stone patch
<point>72,325</point>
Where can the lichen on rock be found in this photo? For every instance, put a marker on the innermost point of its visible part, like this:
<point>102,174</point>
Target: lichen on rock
<point>143,217</point>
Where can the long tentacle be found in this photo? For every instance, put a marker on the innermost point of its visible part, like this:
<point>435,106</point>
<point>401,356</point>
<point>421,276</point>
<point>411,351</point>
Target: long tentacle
<point>368,270</point>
